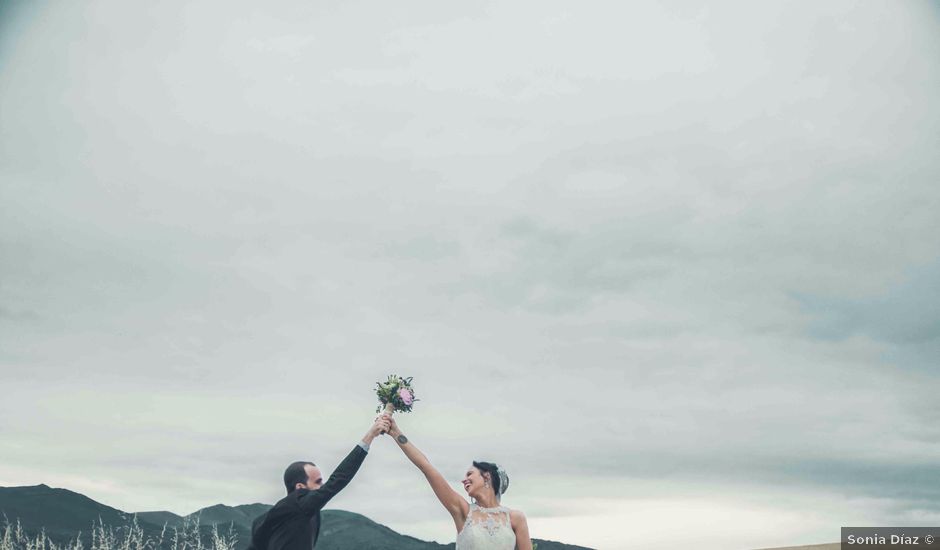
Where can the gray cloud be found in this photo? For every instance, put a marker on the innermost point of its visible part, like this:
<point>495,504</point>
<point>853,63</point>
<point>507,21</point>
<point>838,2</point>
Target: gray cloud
<point>906,315</point>
<point>639,254</point>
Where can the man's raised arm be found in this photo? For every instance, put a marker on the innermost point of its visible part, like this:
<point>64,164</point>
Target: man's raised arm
<point>343,474</point>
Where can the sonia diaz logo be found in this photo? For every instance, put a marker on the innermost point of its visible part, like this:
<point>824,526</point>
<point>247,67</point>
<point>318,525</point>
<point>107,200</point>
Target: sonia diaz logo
<point>876,540</point>
<point>890,537</point>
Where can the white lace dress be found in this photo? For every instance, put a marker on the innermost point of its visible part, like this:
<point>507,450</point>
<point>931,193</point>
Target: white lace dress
<point>487,529</point>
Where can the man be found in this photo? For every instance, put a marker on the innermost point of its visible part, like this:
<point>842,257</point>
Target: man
<point>294,522</point>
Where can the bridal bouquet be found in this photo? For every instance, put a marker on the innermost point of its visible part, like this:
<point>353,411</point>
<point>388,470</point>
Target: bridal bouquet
<point>395,394</point>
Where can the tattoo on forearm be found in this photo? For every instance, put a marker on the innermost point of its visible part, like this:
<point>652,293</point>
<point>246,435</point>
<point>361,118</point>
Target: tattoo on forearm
<point>402,439</point>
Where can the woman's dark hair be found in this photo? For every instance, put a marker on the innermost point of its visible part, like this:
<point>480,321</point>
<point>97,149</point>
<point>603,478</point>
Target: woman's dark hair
<point>294,474</point>
<point>495,480</point>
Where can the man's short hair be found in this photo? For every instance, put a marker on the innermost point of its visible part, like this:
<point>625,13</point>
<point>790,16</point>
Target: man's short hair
<point>294,474</point>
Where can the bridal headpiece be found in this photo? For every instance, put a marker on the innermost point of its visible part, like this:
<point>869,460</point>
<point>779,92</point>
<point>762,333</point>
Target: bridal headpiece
<point>503,481</point>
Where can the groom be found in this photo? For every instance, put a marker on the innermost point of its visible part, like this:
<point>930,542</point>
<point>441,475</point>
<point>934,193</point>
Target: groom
<point>294,522</point>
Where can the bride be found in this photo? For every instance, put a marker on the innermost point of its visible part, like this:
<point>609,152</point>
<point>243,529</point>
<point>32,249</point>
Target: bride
<point>482,524</point>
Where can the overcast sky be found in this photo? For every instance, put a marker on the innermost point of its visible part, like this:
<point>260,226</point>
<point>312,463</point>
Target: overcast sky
<point>675,267</point>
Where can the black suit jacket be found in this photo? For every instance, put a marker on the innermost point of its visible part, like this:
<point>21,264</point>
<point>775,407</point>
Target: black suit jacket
<point>294,522</point>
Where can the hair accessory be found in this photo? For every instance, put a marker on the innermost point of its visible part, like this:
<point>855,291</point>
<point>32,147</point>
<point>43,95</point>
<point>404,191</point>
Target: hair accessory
<point>503,481</point>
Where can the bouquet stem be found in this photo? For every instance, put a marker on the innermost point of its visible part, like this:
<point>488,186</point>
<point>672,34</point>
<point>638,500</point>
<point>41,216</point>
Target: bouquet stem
<point>389,410</point>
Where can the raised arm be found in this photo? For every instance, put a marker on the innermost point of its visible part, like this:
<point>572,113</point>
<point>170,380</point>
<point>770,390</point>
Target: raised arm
<point>455,504</point>
<point>343,474</point>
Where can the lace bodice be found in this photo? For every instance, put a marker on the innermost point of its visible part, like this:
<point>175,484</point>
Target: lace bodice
<point>487,529</point>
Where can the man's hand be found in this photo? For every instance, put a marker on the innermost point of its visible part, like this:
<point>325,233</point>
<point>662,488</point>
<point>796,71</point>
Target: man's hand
<point>382,424</point>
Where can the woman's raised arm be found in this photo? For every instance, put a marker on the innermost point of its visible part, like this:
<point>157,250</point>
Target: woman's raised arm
<point>455,504</point>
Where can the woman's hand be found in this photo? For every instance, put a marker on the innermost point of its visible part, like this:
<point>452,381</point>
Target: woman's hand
<point>393,430</point>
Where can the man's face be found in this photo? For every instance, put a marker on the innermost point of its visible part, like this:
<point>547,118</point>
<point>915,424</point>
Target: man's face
<point>314,477</point>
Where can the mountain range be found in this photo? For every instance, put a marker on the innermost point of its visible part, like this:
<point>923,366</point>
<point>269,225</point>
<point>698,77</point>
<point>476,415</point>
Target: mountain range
<point>65,515</point>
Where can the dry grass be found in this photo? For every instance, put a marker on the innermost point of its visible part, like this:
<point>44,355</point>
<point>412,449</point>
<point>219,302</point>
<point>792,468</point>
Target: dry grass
<point>130,537</point>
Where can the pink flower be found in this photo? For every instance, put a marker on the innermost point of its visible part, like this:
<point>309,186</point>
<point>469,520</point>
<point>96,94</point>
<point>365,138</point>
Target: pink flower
<point>406,396</point>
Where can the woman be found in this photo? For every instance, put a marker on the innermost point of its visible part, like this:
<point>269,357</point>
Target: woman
<point>482,524</point>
